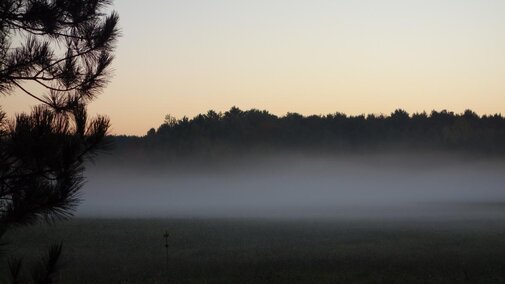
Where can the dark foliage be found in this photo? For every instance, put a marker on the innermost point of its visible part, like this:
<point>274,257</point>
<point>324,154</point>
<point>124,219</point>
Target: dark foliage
<point>45,272</point>
<point>42,164</point>
<point>236,130</point>
<point>65,48</point>
<point>15,266</point>
<point>59,53</point>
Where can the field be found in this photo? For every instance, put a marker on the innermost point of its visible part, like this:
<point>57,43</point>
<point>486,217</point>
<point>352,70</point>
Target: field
<point>271,251</point>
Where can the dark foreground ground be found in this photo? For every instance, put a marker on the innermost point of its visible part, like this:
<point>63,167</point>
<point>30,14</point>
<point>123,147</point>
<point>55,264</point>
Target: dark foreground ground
<point>267,251</point>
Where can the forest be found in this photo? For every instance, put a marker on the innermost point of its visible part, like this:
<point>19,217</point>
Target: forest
<point>239,131</point>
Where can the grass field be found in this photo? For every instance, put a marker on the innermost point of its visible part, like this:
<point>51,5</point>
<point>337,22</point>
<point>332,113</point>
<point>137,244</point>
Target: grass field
<point>271,251</point>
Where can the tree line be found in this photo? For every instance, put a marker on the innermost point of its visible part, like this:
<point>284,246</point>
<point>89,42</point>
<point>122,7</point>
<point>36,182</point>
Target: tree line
<point>237,130</point>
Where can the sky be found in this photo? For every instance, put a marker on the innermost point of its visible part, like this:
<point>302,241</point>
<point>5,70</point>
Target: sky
<point>312,57</point>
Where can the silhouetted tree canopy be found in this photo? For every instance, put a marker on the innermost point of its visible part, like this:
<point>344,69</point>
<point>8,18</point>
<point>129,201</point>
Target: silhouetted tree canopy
<point>59,53</point>
<point>237,131</point>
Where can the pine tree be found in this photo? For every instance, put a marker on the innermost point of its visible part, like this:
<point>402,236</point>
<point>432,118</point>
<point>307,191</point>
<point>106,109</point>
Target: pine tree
<point>58,52</point>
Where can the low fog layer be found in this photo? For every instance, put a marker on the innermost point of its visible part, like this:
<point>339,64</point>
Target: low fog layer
<point>297,186</point>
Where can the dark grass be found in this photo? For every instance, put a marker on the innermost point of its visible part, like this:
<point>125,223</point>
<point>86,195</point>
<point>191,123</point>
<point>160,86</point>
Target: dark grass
<point>268,251</point>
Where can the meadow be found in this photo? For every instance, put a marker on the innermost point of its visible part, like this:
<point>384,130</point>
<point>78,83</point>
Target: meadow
<point>272,251</point>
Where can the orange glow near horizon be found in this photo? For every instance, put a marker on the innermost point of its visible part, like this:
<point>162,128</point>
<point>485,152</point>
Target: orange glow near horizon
<point>310,57</point>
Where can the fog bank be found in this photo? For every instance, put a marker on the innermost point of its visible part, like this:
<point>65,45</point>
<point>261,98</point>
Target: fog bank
<point>298,186</point>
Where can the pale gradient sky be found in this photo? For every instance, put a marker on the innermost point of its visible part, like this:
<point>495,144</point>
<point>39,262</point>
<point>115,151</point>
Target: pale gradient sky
<point>312,57</point>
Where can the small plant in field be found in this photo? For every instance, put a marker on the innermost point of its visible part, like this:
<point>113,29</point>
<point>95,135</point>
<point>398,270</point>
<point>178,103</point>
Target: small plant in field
<point>166,235</point>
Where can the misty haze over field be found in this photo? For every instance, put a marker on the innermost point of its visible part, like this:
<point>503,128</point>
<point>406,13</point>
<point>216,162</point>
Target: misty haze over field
<point>297,186</point>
